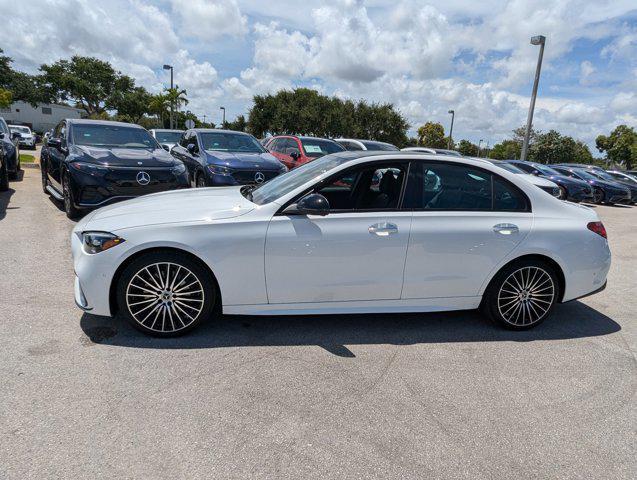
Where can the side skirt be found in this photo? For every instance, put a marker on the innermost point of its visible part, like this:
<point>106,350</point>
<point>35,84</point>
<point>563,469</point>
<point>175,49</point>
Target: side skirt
<point>369,306</point>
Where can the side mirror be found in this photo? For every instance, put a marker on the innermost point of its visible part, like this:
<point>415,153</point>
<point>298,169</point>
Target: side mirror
<point>54,142</point>
<point>165,147</point>
<point>192,148</point>
<point>293,152</point>
<point>313,204</point>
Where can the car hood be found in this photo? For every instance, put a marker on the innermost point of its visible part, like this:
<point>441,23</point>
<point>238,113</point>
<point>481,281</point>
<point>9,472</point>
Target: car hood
<point>565,179</point>
<point>252,161</point>
<point>608,185</point>
<point>123,157</point>
<point>177,206</point>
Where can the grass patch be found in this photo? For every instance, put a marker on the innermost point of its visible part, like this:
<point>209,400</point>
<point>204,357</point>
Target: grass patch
<point>26,158</point>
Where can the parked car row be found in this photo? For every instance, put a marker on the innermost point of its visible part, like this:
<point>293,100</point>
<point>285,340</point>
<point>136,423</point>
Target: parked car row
<point>9,155</point>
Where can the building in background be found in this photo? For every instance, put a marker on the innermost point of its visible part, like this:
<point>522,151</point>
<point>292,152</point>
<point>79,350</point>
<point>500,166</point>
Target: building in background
<point>41,118</point>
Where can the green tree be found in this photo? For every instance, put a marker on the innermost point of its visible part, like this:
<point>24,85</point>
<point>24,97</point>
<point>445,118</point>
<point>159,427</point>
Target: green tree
<point>176,97</point>
<point>506,150</point>
<point>158,105</point>
<point>5,98</point>
<point>91,83</point>
<point>28,88</point>
<point>239,124</point>
<point>468,149</point>
<point>132,105</point>
<point>305,111</point>
<point>620,146</point>
<point>432,134</point>
<point>553,147</point>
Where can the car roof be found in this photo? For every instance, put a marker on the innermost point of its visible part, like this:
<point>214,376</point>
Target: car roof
<point>167,130</point>
<point>86,121</point>
<point>218,130</point>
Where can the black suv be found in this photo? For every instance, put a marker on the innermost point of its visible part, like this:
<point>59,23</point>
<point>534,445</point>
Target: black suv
<point>9,155</point>
<point>91,163</point>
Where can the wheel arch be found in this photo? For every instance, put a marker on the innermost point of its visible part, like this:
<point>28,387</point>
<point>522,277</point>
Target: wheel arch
<point>112,294</point>
<point>534,256</point>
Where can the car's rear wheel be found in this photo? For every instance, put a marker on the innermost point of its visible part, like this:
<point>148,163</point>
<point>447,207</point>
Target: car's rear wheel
<point>4,177</point>
<point>563,193</point>
<point>598,196</point>
<point>69,202</point>
<point>522,294</point>
<point>166,293</point>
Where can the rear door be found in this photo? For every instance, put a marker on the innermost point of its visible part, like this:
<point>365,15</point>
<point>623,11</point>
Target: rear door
<point>465,221</point>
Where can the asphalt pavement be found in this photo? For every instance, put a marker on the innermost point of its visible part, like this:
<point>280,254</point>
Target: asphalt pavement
<point>365,396</point>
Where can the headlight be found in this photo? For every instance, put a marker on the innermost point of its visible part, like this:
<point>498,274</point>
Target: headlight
<point>96,242</point>
<point>178,169</point>
<point>283,169</point>
<point>219,170</point>
<point>90,168</point>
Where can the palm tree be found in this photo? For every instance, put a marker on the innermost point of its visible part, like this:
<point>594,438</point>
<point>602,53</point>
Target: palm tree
<point>159,105</point>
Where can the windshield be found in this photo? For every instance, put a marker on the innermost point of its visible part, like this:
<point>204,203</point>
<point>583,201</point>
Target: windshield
<point>230,142</point>
<point>508,167</point>
<point>20,129</point>
<point>585,175</point>
<point>285,183</point>
<point>378,146</point>
<point>315,147</point>
<point>603,175</point>
<point>544,170</point>
<point>168,137</point>
<point>112,136</point>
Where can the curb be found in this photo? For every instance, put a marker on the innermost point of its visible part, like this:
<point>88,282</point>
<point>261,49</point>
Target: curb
<point>30,165</point>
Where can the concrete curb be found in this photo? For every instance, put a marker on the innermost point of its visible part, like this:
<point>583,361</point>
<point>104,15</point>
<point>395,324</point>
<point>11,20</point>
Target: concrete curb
<point>30,165</point>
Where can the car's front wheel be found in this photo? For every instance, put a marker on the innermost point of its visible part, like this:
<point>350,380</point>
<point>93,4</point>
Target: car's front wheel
<point>166,293</point>
<point>522,294</point>
<point>201,181</point>
<point>598,196</point>
<point>69,202</point>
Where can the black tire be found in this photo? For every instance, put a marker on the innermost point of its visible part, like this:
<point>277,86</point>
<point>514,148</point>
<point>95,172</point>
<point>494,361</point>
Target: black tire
<point>168,312</point>
<point>4,177</point>
<point>522,294</point>
<point>45,180</point>
<point>200,180</point>
<point>598,196</point>
<point>69,202</point>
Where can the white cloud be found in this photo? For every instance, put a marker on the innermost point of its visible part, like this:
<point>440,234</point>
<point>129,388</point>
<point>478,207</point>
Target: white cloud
<point>586,70</point>
<point>209,20</point>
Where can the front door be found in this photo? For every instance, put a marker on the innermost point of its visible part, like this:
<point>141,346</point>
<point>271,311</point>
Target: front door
<point>356,252</point>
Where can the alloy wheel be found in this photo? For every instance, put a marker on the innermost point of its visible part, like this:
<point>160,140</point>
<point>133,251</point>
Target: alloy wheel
<point>201,181</point>
<point>165,297</point>
<point>598,196</point>
<point>526,296</point>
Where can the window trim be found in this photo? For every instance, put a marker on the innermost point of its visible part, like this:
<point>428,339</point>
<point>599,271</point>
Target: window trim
<point>360,166</point>
<point>528,209</point>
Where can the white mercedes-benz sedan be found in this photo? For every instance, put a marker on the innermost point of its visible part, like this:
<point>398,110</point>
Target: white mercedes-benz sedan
<point>351,232</point>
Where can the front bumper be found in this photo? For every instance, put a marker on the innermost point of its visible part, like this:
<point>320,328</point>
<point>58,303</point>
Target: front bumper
<point>27,142</point>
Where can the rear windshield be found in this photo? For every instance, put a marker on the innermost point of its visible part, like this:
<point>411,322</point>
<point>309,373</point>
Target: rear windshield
<point>508,167</point>
<point>378,146</point>
<point>112,136</point>
<point>230,142</point>
<point>168,137</point>
<point>315,147</point>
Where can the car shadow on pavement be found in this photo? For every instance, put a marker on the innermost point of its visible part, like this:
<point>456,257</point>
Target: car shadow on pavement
<point>334,332</point>
<point>5,199</point>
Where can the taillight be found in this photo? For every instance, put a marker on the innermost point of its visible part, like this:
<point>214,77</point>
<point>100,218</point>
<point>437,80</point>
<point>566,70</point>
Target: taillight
<point>598,228</point>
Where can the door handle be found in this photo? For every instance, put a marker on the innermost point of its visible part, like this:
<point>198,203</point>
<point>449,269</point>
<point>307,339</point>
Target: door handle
<point>383,229</point>
<point>506,228</point>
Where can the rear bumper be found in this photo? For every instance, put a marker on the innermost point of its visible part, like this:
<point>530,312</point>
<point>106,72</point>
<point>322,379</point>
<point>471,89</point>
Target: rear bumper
<point>600,289</point>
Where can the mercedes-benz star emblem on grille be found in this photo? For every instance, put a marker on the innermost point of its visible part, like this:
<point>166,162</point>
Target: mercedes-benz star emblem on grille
<point>143,178</point>
<point>259,177</point>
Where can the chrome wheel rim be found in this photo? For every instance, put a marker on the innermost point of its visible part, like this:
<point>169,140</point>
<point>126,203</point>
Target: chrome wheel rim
<point>526,296</point>
<point>598,196</point>
<point>165,297</point>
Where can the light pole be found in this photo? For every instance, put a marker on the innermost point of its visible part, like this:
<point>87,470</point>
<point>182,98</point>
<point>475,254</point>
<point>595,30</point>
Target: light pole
<point>223,123</point>
<point>486,150</point>
<point>453,114</point>
<point>204,119</point>
<point>172,106</point>
<point>537,40</point>
<point>480,147</point>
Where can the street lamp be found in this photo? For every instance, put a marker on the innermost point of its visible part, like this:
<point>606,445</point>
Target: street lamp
<point>172,107</point>
<point>223,123</point>
<point>537,40</point>
<point>480,147</point>
<point>453,114</point>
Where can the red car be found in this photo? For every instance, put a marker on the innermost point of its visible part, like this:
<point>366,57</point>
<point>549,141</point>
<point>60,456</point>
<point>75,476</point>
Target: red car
<point>293,151</point>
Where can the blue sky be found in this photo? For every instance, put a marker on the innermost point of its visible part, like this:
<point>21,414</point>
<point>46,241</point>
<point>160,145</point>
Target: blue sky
<point>426,57</point>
